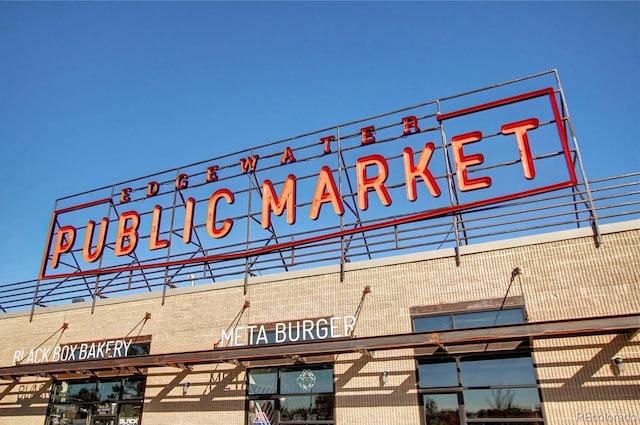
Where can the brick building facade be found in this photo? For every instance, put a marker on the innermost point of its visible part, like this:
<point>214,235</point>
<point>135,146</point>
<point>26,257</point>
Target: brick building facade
<point>561,309</point>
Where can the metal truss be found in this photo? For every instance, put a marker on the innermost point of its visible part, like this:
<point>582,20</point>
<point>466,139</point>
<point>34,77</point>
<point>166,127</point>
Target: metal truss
<point>355,235</point>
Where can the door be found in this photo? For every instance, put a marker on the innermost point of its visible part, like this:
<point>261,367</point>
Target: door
<point>104,420</point>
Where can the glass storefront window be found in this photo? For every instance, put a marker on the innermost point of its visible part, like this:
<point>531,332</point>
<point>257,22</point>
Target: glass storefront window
<point>69,414</point>
<point>441,409</point>
<point>96,401</point>
<point>482,319</point>
<point>261,410</point>
<point>130,414</point>
<point>306,408</point>
<point>432,323</point>
<point>477,388</point>
<point>77,391</point>
<point>468,320</point>
<point>291,394</point>
<point>133,388</point>
<point>438,373</point>
<point>110,390</point>
<point>488,388</point>
<point>497,371</point>
<point>295,381</point>
<point>263,381</point>
<point>503,403</point>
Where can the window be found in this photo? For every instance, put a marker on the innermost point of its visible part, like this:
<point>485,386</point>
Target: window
<point>90,401</point>
<point>294,395</point>
<point>478,319</point>
<point>492,388</point>
<point>476,384</point>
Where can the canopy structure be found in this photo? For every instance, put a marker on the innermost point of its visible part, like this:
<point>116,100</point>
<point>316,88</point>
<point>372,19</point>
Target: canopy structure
<point>480,339</point>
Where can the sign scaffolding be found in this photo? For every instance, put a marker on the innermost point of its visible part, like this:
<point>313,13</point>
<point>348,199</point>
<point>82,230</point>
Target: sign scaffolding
<point>428,176</point>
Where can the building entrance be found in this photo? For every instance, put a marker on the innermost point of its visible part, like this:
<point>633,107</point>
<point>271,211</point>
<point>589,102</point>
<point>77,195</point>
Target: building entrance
<point>97,401</point>
<point>104,420</point>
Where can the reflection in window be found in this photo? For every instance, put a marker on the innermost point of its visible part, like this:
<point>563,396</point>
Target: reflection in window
<point>68,413</point>
<point>263,381</point>
<point>491,388</point>
<point>296,394</point>
<point>295,381</point>
<point>261,410</point>
<point>139,349</point>
<point>481,319</point>
<point>503,403</point>
<point>80,402</point>
<point>76,391</point>
<point>306,408</point>
<point>495,387</point>
<point>133,388</point>
<point>468,320</point>
<point>438,373</point>
<point>497,371</point>
<point>130,414</point>
<point>433,323</point>
<point>441,409</point>
<point>110,390</point>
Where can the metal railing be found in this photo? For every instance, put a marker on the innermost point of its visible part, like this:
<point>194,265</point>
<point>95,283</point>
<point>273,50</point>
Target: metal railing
<point>356,234</point>
<point>615,198</point>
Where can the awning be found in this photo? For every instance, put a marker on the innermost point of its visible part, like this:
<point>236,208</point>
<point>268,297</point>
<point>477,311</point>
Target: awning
<point>447,340</point>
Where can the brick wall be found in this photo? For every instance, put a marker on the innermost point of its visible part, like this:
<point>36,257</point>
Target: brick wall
<point>564,276</point>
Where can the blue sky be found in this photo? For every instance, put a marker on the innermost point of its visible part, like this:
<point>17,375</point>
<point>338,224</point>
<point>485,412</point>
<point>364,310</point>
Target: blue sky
<point>95,93</point>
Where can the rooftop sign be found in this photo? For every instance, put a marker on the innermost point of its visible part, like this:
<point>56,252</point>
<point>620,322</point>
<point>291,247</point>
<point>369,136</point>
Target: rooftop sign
<point>317,189</point>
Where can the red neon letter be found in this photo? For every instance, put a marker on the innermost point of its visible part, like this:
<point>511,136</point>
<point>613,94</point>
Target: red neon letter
<point>287,156</point>
<point>520,129</point>
<point>326,191</point>
<point>182,181</point>
<point>214,231</point>
<point>152,189</point>
<point>64,243</point>
<point>367,135</point>
<point>286,200</point>
<point>411,173</point>
<point>154,242</point>
<point>410,125</point>
<point>462,161</point>
<point>188,220</point>
<point>127,236</point>
<point>326,142</point>
<point>124,195</point>
<point>376,183</point>
<point>249,163</point>
<point>212,173</point>
<point>88,238</point>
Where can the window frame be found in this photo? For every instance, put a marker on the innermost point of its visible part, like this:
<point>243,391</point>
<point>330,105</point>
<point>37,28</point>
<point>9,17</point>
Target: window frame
<point>278,397</point>
<point>56,401</point>
<point>458,358</point>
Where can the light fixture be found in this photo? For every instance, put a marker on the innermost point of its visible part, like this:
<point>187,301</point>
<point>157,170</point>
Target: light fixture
<point>384,377</point>
<point>618,363</point>
<point>185,388</point>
